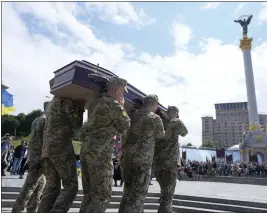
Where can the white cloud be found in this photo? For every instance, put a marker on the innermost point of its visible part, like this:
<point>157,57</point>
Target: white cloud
<point>120,13</point>
<point>263,13</point>
<point>239,7</point>
<point>182,34</point>
<point>210,5</point>
<point>193,82</point>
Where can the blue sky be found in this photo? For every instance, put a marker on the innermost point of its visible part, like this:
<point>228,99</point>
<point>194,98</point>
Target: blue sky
<point>185,52</point>
<point>155,38</point>
<point>220,19</point>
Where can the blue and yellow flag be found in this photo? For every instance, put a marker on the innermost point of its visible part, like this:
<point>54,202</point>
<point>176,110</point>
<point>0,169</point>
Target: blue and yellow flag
<point>7,102</point>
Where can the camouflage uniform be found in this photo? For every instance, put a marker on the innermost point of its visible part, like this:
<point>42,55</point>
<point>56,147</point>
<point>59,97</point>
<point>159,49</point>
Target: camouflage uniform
<point>137,157</point>
<point>35,181</point>
<point>83,132</point>
<point>167,159</point>
<point>107,118</point>
<point>59,161</point>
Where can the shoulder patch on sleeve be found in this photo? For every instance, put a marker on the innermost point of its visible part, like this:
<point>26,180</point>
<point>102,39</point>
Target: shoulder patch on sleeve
<point>124,113</point>
<point>75,115</point>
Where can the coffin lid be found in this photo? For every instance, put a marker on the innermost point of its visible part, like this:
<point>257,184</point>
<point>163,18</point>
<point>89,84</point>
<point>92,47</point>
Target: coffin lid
<point>101,75</point>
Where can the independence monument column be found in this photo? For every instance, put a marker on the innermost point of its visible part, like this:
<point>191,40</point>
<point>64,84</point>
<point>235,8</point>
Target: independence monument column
<point>255,140</point>
<point>245,46</point>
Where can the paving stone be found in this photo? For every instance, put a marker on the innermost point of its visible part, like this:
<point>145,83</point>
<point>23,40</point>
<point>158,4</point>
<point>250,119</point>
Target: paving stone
<point>189,197</point>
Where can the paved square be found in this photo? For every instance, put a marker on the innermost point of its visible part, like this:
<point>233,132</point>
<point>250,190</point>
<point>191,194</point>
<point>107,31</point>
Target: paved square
<point>243,192</point>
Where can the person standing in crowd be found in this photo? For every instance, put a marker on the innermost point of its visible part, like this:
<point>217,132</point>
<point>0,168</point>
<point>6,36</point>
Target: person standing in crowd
<point>137,154</point>
<point>10,158</point>
<point>107,117</point>
<point>117,171</point>
<point>78,164</point>
<point>64,115</point>
<point>35,181</point>
<point>23,164</point>
<point>18,156</point>
<point>167,158</point>
<point>5,147</point>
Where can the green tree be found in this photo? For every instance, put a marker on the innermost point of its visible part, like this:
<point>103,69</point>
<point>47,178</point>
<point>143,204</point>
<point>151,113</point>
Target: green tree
<point>20,124</point>
<point>208,144</point>
<point>21,117</point>
<point>9,124</point>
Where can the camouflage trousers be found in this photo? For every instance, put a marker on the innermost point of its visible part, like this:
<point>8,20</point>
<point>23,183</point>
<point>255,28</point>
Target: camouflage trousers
<point>136,182</point>
<point>31,191</point>
<point>97,178</point>
<point>167,181</point>
<point>55,199</point>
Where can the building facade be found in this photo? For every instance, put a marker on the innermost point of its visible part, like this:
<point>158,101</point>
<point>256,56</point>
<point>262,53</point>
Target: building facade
<point>230,125</point>
<point>263,121</point>
<point>207,128</point>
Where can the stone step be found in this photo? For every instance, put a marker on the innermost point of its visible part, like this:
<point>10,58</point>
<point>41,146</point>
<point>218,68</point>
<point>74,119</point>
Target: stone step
<point>177,205</point>
<point>181,210</point>
<point>181,203</point>
<point>155,196</point>
<point>222,201</point>
<point>10,197</point>
<point>76,210</point>
<point>217,206</point>
<point>231,179</point>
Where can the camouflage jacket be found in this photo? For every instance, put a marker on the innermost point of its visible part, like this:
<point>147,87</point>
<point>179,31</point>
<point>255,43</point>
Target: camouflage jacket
<point>83,132</point>
<point>167,155</point>
<point>106,118</point>
<point>36,139</point>
<point>139,144</point>
<point>64,116</point>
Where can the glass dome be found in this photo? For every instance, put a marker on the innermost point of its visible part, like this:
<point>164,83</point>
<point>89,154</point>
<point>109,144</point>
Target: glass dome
<point>234,148</point>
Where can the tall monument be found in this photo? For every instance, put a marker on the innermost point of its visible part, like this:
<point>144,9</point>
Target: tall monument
<point>255,141</point>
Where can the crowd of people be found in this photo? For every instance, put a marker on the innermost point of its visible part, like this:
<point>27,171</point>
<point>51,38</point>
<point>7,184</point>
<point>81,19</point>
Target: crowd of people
<point>14,160</point>
<point>196,170</point>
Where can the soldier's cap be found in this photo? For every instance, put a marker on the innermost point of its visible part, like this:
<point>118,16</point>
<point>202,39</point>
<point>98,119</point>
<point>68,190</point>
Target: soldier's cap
<point>118,82</point>
<point>151,97</point>
<point>173,109</point>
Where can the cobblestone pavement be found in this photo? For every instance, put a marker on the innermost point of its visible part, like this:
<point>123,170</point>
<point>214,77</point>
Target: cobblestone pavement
<point>243,192</point>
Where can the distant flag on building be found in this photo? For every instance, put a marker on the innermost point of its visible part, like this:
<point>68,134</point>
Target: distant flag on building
<point>7,102</point>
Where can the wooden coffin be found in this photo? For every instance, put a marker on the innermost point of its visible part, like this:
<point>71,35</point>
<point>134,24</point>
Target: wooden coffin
<point>84,80</point>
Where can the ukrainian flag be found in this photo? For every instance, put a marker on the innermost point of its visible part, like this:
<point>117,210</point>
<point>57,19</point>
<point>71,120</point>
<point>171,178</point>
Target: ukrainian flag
<point>7,102</point>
